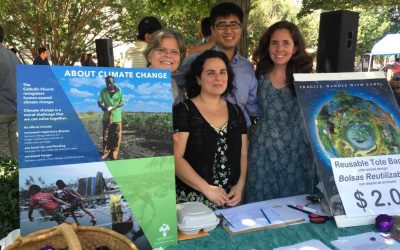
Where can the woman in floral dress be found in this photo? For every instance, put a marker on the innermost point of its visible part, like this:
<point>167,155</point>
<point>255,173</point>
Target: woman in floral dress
<point>280,158</point>
<point>210,140</point>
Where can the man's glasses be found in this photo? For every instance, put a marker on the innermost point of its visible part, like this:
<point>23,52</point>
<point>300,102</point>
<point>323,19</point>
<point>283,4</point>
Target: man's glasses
<point>224,26</point>
<point>164,52</point>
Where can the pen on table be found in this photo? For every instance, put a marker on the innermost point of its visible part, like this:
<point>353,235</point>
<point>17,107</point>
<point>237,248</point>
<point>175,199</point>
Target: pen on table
<point>304,209</point>
<point>265,215</point>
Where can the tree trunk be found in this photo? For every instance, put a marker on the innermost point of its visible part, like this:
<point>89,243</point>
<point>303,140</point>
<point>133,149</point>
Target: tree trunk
<point>245,5</point>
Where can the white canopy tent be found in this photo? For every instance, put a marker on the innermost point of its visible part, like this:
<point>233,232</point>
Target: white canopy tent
<point>389,45</point>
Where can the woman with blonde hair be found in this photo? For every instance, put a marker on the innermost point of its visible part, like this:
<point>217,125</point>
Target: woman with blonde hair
<point>166,50</point>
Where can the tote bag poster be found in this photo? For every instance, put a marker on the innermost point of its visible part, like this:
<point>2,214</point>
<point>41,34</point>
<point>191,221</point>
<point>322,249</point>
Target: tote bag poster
<point>61,138</point>
<point>353,120</point>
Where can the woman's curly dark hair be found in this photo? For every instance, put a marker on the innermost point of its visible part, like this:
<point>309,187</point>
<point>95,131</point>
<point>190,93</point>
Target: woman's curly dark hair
<point>196,68</point>
<point>301,62</point>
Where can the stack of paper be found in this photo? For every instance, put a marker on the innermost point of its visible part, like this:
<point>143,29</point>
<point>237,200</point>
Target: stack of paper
<point>366,241</point>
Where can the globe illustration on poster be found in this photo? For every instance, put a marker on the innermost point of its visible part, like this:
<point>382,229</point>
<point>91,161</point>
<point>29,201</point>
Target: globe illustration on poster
<point>350,126</point>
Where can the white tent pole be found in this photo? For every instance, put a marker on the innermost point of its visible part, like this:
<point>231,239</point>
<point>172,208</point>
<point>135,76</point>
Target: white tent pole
<point>370,62</point>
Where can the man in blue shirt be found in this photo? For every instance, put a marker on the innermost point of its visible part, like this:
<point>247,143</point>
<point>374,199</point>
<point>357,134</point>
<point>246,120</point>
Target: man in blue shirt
<point>42,58</point>
<point>226,24</point>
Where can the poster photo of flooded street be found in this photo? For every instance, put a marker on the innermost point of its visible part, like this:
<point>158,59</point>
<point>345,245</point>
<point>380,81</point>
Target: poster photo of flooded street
<point>85,194</point>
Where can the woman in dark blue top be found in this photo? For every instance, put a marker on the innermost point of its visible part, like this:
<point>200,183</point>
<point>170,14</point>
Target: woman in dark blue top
<point>210,140</point>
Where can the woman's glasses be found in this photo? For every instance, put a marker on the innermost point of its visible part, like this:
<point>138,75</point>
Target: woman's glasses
<point>164,52</point>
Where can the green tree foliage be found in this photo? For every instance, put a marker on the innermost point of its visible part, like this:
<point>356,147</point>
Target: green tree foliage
<point>181,15</point>
<point>373,25</point>
<point>394,14</point>
<point>67,28</point>
<point>265,13</point>
<point>309,6</point>
<point>377,18</point>
<point>9,216</point>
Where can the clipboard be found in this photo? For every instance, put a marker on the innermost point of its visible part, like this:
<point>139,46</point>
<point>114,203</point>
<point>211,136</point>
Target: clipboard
<point>228,230</point>
<point>258,216</point>
<point>252,211</point>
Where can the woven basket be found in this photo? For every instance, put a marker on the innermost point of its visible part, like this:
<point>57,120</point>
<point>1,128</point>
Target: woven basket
<point>74,237</point>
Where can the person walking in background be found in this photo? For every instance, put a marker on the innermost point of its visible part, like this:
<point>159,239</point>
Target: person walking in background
<point>395,68</point>
<point>226,24</point>
<point>82,59</point>
<point>42,58</point>
<point>133,57</point>
<point>205,29</point>
<point>280,158</point>
<point>110,101</point>
<point>166,50</point>
<point>8,97</point>
<point>208,39</point>
<point>210,136</point>
<point>88,62</point>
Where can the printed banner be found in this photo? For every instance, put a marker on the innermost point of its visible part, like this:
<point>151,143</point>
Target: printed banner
<point>352,118</point>
<point>95,148</point>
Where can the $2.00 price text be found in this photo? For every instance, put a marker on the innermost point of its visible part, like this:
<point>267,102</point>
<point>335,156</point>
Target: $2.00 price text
<point>379,202</point>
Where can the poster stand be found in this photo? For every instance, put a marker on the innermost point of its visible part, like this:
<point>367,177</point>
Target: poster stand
<point>344,221</point>
<point>352,122</point>
<point>95,149</point>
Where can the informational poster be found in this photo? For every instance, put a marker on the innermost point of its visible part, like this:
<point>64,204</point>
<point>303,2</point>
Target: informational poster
<point>95,149</point>
<point>352,121</point>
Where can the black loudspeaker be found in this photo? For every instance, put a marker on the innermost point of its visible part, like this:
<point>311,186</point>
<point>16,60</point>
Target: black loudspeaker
<point>337,41</point>
<point>105,54</point>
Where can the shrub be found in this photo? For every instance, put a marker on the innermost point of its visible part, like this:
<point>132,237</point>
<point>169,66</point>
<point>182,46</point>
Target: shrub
<point>9,212</point>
